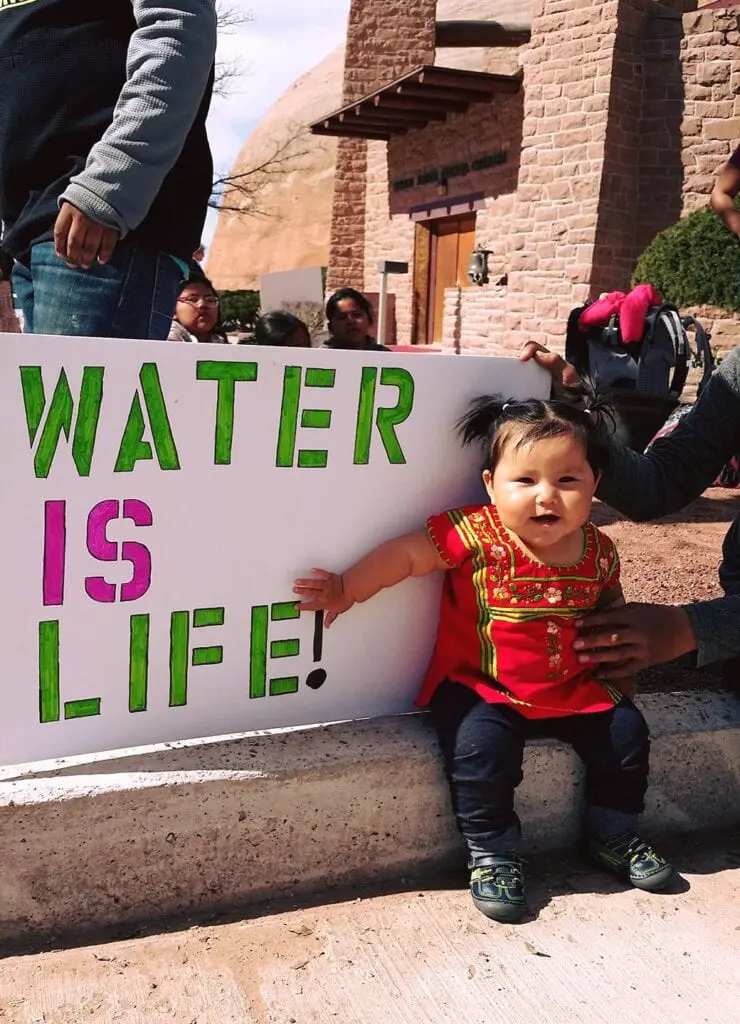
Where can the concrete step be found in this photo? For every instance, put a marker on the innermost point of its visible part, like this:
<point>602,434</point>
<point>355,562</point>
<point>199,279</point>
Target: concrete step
<point>138,836</point>
<point>591,952</point>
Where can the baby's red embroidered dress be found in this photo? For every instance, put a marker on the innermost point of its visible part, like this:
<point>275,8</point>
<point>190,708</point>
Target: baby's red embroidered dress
<point>507,621</point>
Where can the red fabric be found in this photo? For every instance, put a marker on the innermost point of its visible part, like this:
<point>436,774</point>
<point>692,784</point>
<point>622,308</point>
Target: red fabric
<point>632,309</point>
<point>507,622</point>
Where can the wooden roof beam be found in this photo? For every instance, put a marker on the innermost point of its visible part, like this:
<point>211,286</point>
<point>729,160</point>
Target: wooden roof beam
<point>419,102</point>
<point>463,79</point>
<point>440,92</point>
<point>480,34</point>
<point>379,123</point>
<point>404,113</point>
<point>356,131</point>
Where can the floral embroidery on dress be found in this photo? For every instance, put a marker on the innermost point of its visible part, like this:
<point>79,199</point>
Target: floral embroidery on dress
<point>553,596</point>
<point>554,647</point>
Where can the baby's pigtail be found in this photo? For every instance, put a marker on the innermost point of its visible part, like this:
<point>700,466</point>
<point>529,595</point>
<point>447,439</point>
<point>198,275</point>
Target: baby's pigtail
<point>479,423</point>
<point>588,397</point>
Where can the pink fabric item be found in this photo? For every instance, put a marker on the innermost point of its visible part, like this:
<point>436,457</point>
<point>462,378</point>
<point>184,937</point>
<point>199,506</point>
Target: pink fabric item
<point>632,310</point>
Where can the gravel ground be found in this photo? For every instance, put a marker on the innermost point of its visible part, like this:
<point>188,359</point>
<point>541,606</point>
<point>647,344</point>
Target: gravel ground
<point>674,561</point>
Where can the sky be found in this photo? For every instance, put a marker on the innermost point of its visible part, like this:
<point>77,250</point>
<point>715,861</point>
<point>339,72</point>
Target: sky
<point>284,39</point>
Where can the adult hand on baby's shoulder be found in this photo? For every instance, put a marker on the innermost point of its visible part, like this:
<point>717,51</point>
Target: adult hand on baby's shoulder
<point>563,374</point>
<point>624,640</point>
<point>324,591</point>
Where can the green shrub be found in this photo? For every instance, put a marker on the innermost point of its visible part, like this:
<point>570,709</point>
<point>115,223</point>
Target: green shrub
<point>694,263</point>
<point>239,309</point>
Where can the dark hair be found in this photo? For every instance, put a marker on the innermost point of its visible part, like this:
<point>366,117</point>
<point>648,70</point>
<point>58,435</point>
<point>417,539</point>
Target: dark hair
<point>196,276</point>
<point>348,293</point>
<point>276,328</point>
<point>579,414</point>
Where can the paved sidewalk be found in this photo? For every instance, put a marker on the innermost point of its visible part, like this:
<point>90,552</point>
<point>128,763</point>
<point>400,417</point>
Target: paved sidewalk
<point>595,954</point>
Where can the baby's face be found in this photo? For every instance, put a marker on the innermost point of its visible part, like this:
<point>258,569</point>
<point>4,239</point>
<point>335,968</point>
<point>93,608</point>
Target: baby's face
<point>543,491</point>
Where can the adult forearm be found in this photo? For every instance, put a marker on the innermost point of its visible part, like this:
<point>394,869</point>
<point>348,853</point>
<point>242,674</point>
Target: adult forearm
<point>725,208</point>
<point>679,467</point>
<point>170,59</point>
<point>716,626</point>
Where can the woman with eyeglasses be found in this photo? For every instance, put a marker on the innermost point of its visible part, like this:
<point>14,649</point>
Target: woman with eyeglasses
<point>350,318</point>
<point>197,313</point>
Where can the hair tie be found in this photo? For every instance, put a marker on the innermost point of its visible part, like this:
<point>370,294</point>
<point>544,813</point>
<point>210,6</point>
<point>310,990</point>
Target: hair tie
<point>506,405</point>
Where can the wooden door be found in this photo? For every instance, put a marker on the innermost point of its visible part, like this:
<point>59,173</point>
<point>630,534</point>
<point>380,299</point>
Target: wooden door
<point>453,241</point>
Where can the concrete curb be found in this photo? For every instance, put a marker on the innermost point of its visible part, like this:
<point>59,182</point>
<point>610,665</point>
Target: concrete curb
<point>219,824</point>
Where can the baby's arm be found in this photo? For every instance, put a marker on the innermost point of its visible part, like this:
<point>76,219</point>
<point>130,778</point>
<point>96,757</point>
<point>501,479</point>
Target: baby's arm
<point>410,555</point>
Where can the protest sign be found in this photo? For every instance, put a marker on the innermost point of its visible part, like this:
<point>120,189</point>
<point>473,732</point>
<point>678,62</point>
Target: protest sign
<point>159,500</point>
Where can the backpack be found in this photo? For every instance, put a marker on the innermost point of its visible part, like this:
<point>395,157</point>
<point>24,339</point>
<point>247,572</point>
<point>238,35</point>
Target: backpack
<point>657,366</point>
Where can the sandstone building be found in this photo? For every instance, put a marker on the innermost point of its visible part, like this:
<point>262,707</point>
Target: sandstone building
<point>608,124</point>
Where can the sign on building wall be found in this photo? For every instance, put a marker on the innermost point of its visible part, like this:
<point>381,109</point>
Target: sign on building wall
<point>159,500</point>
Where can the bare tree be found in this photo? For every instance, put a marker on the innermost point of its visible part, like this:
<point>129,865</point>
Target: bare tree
<point>229,18</point>
<point>239,192</point>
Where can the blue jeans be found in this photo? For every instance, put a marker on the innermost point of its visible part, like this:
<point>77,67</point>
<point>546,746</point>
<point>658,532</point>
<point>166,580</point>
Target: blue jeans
<point>132,296</point>
<point>483,746</point>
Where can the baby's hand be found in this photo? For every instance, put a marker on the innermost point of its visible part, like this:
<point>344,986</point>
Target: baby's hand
<point>324,591</point>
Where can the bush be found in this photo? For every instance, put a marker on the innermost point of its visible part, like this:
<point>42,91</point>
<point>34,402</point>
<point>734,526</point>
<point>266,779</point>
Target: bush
<point>694,263</point>
<point>239,309</point>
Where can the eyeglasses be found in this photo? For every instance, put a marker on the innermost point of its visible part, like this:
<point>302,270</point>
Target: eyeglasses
<point>197,300</point>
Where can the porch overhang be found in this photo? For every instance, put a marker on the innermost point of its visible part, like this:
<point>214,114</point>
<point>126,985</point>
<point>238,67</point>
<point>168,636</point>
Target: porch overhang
<point>428,93</point>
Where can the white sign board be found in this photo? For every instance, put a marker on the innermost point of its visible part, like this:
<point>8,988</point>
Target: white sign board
<point>158,502</point>
<point>291,287</point>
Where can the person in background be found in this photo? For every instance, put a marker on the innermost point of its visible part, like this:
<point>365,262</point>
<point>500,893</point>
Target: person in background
<point>105,168</point>
<point>350,317</point>
<point>726,188</point>
<point>282,329</point>
<point>197,313</point>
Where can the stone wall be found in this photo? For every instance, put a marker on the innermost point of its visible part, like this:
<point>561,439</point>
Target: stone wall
<point>385,38</point>
<point>710,56</point>
<point>484,129</point>
<point>568,81</point>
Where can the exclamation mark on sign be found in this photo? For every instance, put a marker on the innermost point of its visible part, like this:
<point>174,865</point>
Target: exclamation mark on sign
<point>317,678</point>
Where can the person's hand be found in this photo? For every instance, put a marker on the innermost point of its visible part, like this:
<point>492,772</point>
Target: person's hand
<point>563,374</point>
<point>324,591</point>
<point>79,241</point>
<point>635,636</point>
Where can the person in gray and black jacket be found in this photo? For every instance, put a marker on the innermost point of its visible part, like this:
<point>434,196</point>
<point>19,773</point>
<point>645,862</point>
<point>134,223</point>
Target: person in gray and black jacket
<point>675,471</point>
<point>105,169</point>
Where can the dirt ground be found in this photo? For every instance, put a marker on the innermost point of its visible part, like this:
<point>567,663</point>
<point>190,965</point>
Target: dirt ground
<point>674,561</point>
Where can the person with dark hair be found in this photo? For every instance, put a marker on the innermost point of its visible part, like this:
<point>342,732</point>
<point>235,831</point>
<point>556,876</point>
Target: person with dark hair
<point>105,168</point>
<point>350,317</point>
<point>282,329</point>
<point>519,572</point>
<point>197,312</point>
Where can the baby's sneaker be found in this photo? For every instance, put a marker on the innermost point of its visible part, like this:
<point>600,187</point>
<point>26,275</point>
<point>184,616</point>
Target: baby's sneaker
<point>497,888</point>
<point>631,859</point>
